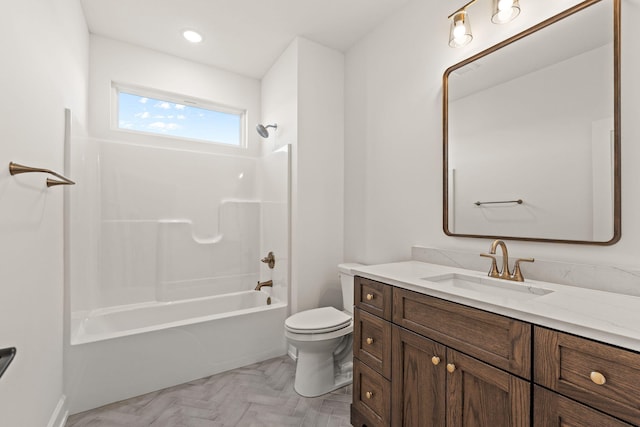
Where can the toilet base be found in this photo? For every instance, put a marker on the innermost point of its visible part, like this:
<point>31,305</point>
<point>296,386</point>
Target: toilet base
<point>317,375</point>
<point>320,372</point>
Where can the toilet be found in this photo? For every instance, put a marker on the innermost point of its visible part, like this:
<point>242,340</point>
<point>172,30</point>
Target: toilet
<point>324,342</point>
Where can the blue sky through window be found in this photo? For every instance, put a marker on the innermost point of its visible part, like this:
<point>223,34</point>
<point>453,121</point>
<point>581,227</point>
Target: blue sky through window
<point>145,114</point>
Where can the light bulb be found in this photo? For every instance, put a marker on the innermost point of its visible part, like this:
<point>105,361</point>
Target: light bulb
<point>505,11</point>
<point>459,30</point>
<point>505,5</point>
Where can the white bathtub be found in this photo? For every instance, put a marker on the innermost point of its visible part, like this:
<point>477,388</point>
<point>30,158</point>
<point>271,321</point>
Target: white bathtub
<point>114,322</point>
<point>126,351</point>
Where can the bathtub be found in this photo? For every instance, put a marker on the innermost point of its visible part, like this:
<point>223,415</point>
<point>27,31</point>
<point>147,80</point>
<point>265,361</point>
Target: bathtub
<point>120,352</point>
<point>114,322</point>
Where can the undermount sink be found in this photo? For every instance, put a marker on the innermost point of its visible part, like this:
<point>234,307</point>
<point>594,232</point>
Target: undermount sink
<point>489,285</point>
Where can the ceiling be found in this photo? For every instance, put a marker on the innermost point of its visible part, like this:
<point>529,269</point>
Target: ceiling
<point>243,36</point>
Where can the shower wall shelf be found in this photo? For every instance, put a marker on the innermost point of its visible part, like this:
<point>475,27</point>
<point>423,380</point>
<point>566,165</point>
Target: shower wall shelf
<point>15,169</point>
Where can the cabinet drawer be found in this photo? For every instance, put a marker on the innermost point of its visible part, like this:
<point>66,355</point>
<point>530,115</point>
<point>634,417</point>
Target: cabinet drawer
<point>374,297</point>
<point>554,410</point>
<point>497,340</point>
<point>371,395</point>
<point>565,363</point>
<point>372,342</point>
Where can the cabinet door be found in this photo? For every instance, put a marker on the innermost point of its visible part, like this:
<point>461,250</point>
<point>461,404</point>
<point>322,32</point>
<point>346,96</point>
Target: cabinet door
<point>553,410</point>
<point>480,395</point>
<point>419,381</point>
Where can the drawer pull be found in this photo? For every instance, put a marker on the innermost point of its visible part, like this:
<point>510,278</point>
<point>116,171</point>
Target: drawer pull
<point>451,367</point>
<point>435,360</point>
<point>370,297</point>
<point>369,341</point>
<point>597,378</point>
<point>368,394</point>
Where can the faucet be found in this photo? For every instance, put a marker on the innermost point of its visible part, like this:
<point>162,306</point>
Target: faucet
<point>505,273</point>
<point>261,284</point>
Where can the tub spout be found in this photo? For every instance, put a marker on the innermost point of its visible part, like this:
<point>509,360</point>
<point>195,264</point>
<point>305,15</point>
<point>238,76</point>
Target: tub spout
<point>261,284</point>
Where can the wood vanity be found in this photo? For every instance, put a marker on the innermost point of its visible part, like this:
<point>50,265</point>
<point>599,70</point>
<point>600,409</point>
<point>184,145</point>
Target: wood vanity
<point>425,361</point>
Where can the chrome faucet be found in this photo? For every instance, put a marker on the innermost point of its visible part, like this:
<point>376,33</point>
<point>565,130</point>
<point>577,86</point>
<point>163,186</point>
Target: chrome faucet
<point>261,284</point>
<point>505,273</point>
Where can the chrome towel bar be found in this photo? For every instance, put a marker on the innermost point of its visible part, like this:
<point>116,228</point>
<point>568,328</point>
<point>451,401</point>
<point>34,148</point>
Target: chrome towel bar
<point>15,169</point>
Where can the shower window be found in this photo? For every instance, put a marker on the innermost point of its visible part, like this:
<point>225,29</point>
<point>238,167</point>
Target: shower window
<point>147,112</point>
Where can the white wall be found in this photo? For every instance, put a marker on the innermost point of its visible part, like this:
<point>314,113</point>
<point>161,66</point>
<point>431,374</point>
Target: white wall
<point>114,61</point>
<point>318,200</point>
<point>304,93</point>
<point>394,135</point>
<point>279,102</point>
<point>44,48</point>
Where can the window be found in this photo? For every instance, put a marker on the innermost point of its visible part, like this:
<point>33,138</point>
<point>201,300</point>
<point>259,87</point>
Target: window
<point>163,115</point>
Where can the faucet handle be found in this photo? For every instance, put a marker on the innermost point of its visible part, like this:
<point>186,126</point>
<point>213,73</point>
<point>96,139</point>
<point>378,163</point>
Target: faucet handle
<point>493,272</point>
<point>517,273</point>
<point>270,260</point>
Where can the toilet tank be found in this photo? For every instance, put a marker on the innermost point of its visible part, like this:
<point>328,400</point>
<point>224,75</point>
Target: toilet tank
<point>346,280</point>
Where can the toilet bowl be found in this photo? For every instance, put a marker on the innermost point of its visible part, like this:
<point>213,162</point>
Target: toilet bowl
<point>324,342</point>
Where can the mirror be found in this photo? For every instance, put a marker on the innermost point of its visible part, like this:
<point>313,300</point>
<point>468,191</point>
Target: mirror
<point>532,133</point>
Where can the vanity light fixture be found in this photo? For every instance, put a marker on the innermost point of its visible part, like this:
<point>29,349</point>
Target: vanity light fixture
<point>460,32</point>
<point>505,11</point>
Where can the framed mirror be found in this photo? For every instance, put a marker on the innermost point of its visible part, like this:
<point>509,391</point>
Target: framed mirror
<point>531,130</point>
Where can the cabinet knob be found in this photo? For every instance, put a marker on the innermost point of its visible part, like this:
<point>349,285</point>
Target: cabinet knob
<point>369,297</point>
<point>369,340</point>
<point>435,360</point>
<point>451,367</point>
<point>368,394</point>
<point>597,378</point>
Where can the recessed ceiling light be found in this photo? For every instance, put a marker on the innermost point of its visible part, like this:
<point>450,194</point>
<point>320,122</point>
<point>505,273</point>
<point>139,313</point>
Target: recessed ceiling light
<point>192,36</point>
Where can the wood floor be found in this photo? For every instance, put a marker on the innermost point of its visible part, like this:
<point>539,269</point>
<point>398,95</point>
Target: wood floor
<point>256,395</point>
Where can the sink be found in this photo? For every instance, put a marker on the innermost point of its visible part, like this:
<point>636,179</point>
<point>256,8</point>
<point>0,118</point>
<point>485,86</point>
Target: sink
<point>489,285</point>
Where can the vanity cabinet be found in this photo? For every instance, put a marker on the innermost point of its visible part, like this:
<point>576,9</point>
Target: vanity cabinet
<point>431,381</point>
<point>424,361</point>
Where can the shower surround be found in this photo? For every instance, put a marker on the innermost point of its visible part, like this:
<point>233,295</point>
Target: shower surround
<point>164,256</point>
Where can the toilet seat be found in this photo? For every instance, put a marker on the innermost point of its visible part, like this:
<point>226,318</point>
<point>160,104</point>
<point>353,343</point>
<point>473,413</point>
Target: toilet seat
<point>317,321</point>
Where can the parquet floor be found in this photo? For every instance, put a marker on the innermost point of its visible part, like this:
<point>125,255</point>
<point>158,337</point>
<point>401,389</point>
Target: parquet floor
<point>257,395</point>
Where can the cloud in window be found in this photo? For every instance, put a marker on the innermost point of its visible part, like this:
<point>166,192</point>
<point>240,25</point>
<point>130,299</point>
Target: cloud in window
<point>164,126</point>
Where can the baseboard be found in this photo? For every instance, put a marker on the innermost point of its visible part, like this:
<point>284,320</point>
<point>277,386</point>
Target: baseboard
<point>60,413</point>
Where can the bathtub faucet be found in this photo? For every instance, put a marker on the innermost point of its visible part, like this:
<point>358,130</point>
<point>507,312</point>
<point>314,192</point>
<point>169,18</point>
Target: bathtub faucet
<point>261,284</point>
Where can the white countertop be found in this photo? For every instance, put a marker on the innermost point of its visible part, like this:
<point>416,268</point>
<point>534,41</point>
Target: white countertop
<point>603,316</point>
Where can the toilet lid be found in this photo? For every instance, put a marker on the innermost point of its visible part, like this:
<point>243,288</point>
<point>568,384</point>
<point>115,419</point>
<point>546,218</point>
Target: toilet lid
<point>318,320</point>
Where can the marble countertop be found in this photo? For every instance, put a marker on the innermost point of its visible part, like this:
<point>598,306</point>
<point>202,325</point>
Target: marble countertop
<point>603,316</point>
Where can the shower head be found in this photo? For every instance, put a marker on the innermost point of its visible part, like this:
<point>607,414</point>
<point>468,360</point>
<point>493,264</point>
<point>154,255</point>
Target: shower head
<point>262,130</point>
